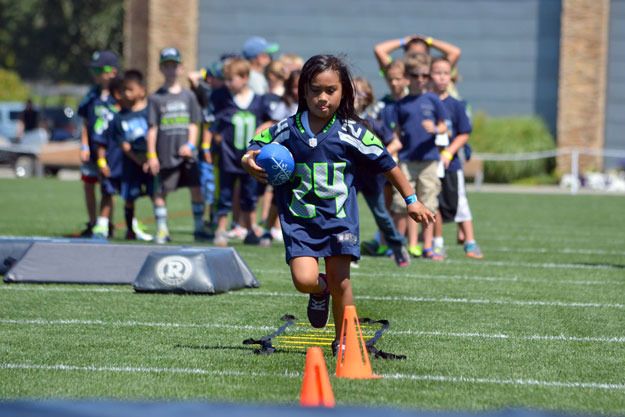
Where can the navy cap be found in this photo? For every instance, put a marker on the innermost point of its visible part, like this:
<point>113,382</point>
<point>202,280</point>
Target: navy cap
<point>170,54</point>
<point>256,45</point>
<point>100,59</point>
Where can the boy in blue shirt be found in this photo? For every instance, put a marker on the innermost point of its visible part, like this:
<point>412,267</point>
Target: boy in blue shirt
<point>109,164</point>
<point>238,111</point>
<point>453,203</point>
<point>130,128</point>
<point>96,110</point>
<point>420,116</point>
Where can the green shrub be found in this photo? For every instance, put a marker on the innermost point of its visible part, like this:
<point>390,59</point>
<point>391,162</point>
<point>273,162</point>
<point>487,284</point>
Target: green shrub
<point>512,135</point>
<point>11,86</point>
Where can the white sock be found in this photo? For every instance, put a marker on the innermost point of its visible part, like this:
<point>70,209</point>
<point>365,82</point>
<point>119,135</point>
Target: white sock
<point>102,222</point>
<point>438,242</point>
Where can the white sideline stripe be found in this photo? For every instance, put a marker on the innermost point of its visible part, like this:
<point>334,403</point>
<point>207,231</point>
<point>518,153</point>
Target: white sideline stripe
<point>531,265</point>
<point>567,251</point>
<point>451,300</point>
<point>502,336</point>
<point>446,300</point>
<point>410,377</point>
<point>134,324</point>
<point>562,338</point>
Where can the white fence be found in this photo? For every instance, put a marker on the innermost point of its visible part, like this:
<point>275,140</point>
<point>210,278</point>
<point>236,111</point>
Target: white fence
<point>574,153</point>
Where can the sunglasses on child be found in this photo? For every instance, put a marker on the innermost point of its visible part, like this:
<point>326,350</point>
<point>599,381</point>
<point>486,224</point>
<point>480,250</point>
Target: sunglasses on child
<point>102,70</point>
<point>419,74</point>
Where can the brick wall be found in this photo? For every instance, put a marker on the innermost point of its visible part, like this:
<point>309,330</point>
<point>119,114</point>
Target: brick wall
<point>150,25</point>
<point>583,75</point>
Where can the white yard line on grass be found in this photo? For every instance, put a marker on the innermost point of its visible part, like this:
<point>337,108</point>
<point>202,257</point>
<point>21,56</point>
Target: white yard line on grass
<point>417,333</point>
<point>564,251</point>
<point>448,300</point>
<point>402,377</point>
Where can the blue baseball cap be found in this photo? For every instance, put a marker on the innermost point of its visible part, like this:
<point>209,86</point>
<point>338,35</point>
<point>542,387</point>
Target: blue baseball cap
<point>256,45</point>
<point>101,59</point>
<point>170,54</point>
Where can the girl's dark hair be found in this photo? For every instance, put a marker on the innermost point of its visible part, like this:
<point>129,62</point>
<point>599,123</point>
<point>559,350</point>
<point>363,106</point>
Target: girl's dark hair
<point>321,63</point>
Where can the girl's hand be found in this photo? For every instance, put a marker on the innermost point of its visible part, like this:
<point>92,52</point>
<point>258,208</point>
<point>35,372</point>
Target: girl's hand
<point>208,158</point>
<point>248,162</point>
<point>420,214</point>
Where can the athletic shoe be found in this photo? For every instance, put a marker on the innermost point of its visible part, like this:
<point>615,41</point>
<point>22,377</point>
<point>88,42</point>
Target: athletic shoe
<point>427,253</point>
<point>370,247</point>
<point>221,239</point>
<point>438,253</point>
<point>354,264</point>
<point>162,237</point>
<point>472,250</point>
<point>100,232</point>
<point>130,235</point>
<point>335,347</point>
<point>237,232</point>
<point>138,230</point>
<point>401,257</point>
<point>111,233</point>
<point>319,307</point>
<point>88,230</point>
<point>276,234</point>
<point>415,251</point>
<point>266,239</point>
<point>202,236</point>
<point>251,238</point>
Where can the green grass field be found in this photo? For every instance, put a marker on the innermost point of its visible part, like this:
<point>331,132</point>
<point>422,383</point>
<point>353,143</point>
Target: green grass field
<point>539,323</point>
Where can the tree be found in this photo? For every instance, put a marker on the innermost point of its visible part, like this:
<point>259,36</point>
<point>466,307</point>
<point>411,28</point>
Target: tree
<point>54,39</point>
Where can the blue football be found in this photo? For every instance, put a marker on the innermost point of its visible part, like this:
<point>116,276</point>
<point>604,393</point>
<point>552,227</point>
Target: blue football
<point>277,161</point>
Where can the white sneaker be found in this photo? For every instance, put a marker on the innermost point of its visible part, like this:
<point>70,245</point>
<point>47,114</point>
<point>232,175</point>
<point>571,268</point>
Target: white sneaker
<point>276,234</point>
<point>139,231</point>
<point>221,239</point>
<point>237,232</point>
<point>162,237</point>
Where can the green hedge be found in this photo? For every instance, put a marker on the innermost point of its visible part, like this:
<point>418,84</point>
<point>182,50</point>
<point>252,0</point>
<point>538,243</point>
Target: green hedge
<point>11,86</point>
<point>512,135</point>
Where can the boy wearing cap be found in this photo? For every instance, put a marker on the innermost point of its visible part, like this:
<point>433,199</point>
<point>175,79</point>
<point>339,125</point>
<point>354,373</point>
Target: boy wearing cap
<point>173,115</point>
<point>96,109</point>
<point>258,51</point>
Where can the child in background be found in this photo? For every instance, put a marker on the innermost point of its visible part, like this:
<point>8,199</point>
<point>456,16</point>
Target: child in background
<point>173,117</point>
<point>420,117</point>
<point>372,187</point>
<point>453,203</point>
<point>130,128</point>
<point>318,209</point>
<point>109,164</point>
<point>238,112</point>
<point>96,110</point>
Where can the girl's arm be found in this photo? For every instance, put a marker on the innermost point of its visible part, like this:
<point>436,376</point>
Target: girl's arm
<point>417,211</point>
<point>248,162</point>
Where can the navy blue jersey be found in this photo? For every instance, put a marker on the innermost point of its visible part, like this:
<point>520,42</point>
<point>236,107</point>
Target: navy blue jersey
<point>114,153</point>
<point>236,126</point>
<point>132,127</point>
<point>410,112</point>
<point>97,112</point>
<point>457,123</point>
<point>318,207</point>
<point>365,182</point>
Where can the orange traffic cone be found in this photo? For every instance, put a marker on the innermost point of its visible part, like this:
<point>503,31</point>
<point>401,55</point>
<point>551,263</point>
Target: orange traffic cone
<point>316,388</point>
<point>352,358</point>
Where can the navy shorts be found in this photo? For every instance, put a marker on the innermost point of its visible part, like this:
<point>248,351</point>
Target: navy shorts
<point>247,194</point>
<point>135,182</point>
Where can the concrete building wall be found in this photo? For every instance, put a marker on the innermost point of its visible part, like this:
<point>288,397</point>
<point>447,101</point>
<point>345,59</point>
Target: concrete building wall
<point>509,64</point>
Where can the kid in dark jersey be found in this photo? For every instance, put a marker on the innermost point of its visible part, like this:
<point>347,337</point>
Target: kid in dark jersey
<point>318,207</point>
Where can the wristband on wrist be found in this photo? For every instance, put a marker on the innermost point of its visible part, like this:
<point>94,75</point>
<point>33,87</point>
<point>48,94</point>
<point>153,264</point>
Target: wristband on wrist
<point>84,147</point>
<point>151,155</point>
<point>191,146</point>
<point>412,198</point>
<point>206,146</point>
<point>102,162</point>
<point>447,155</point>
<point>429,40</point>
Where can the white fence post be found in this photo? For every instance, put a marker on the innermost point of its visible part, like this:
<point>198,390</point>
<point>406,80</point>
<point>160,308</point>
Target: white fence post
<point>575,171</point>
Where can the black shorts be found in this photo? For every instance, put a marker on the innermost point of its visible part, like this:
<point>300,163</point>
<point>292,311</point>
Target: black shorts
<point>186,174</point>
<point>452,201</point>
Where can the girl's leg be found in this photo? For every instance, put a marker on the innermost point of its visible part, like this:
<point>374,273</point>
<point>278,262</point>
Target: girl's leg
<point>337,269</point>
<point>305,274</point>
